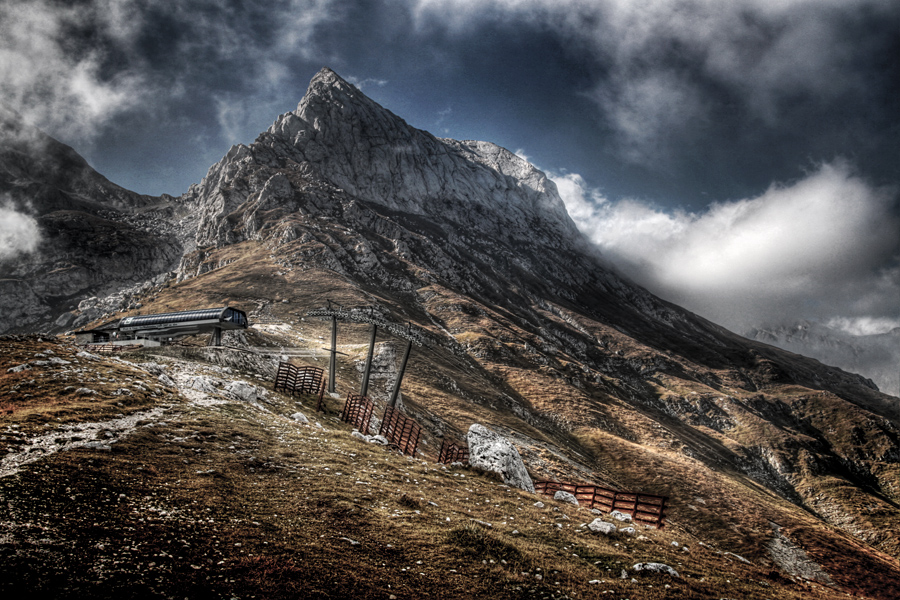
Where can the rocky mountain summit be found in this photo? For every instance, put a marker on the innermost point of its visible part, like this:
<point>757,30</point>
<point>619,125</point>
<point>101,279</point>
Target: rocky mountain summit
<point>593,378</point>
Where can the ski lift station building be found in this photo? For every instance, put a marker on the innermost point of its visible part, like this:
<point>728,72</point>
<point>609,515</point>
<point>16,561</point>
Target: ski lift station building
<point>166,326</point>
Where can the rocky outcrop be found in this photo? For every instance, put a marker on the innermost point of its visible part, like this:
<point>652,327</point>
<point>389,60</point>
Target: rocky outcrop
<point>494,453</point>
<point>794,560</point>
<point>364,149</point>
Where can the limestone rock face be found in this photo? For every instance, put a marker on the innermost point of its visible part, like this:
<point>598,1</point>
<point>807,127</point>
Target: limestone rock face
<point>492,452</point>
<point>368,151</point>
<point>340,140</point>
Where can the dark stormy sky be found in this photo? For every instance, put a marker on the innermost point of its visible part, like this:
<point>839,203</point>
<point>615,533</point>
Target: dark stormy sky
<point>741,158</point>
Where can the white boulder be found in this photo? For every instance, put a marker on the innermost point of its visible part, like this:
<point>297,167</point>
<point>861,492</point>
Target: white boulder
<point>601,526</point>
<point>494,453</point>
<point>242,390</point>
<point>565,497</point>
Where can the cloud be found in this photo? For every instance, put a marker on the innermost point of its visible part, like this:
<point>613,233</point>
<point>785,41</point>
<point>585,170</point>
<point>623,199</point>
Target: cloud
<point>665,68</point>
<point>823,247</point>
<point>19,233</point>
<point>645,109</point>
<point>864,325</point>
<point>363,83</point>
<point>73,69</point>
<point>53,75</point>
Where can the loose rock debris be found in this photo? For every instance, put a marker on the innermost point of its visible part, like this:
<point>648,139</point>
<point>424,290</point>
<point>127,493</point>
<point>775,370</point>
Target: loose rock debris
<point>97,436</point>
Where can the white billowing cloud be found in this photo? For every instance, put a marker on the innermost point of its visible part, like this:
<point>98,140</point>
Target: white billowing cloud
<point>72,69</point>
<point>811,249</point>
<point>864,325</point>
<point>19,232</point>
<point>584,204</point>
<point>368,81</point>
<point>54,78</point>
<point>665,60</point>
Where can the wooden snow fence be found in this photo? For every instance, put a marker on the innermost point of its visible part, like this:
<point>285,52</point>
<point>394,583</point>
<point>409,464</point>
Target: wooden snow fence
<point>645,509</point>
<point>358,412</point>
<point>453,452</point>
<point>401,431</point>
<point>301,380</point>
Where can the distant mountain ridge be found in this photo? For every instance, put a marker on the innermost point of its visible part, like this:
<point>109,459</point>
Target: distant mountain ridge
<point>876,356</point>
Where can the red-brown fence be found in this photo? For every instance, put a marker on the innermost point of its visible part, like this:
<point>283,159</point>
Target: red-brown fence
<point>358,412</point>
<point>301,380</point>
<point>400,430</point>
<point>453,452</point>
<point>645,509</point>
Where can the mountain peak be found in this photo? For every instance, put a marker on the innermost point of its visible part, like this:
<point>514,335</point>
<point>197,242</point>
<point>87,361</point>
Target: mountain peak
<point>363,148</point>
<point>326,86</point>
<point>327,77</point>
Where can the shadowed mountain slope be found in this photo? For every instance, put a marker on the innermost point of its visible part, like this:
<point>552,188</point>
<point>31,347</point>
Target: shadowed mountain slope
<point>95,237</point>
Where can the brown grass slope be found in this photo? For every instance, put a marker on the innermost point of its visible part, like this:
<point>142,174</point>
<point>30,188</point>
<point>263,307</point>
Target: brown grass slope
<point>219,498</point>
<point>792,464</point>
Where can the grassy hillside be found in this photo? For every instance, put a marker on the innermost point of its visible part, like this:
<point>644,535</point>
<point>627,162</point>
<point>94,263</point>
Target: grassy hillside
<point>158,482</point>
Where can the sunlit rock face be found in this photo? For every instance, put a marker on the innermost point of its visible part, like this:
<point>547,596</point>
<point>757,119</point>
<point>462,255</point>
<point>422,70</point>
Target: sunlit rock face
<point>371,153</point>
<point>339,145</point>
